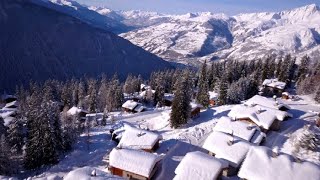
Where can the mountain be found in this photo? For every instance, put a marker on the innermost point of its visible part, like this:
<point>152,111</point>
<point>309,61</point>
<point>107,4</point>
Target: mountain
<point>91,15</point>
<point>197,37</point>
<point>37,43</point>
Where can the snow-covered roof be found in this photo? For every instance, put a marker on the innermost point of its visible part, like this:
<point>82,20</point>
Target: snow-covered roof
<point>260,165</point>
<point>194,106</point>
<point>130,104</point>
<point>238,128</point>
<point>217,143</point>
<point>135,161</point>
<point>75,110</point>
<point>213,95</point>
<point>7,96</point>
<point>260,115</point>
<point>143,93</point>
<point>285,93</point>
<point>274,83</point>
<point>97,116</point>
<point>135,138</point>
<point>198,165</point>
<point>84,173</point>
<point>12,104</point>
<point>267,102</point>
<point>139,108</point>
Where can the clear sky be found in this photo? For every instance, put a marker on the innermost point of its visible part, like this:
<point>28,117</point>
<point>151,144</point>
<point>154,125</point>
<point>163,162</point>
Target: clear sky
<point>230,7</point>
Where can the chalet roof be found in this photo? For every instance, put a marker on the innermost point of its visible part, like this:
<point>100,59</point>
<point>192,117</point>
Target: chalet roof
<point>238,128</point>
<point>198,165</point>
<point>143,93</point>
<point>194,106</point>
<point>130,104</point>
<point>135,161</point>
<point>267,102</point>
<point>97,116</point>
<point>274,83</point>
<point>217,143</point>
<point>260,165</point>
<point>260,115</point>
<point>135,138</point>
<point>213,95</point>
<point>75,110</point>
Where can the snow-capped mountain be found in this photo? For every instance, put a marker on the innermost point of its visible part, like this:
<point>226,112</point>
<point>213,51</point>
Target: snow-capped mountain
<point>37,43</point>
<point>246,36</point>
<point>197,37</point>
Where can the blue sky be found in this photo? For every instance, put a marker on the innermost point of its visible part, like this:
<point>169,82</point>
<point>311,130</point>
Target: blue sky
<point>230,7</point>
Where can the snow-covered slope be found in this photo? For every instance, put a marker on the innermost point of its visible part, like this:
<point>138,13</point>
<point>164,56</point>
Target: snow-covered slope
<point>37,43</point>
<point>246,36</point>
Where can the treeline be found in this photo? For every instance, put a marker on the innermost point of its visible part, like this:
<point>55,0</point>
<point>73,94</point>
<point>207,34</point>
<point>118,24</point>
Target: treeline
<point>41,132</point>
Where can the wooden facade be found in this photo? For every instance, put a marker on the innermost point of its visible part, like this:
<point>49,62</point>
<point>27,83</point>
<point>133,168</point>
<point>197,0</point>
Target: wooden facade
<point>228,171</point>
<point>195,112</point>
<point>129,175</point>
<point>212,102</point>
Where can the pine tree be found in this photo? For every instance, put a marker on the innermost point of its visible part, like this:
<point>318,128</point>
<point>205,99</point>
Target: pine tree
<point>317,95</point>
<point>15,135</point>
<point>181,103</point>
<point>3,128</point>
<point>81,94</point>
<point>304,66</point>
<point>92,92</point>
<point>308,140</point>
<point>5,157</point>
<point>223,90</point>
<point>203,89</point>
<point>159,92</point>
<point>69,129</point>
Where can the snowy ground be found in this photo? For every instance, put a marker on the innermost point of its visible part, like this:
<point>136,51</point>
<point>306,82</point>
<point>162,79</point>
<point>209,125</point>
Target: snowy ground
<point>177,142</point>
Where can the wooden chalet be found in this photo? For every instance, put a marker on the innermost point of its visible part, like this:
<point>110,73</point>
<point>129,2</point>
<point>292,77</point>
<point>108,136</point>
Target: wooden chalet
<point>263,117</point>
<point>135,138</point>
<point>195,110</point>
<point>227,148</point>
<point>133,164</point>
<point>273,87</point>
<point>132,106</point>
<point>206,166</point>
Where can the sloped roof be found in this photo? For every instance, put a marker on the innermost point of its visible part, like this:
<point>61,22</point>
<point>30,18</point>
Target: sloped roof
<point>260,115</point>
<point>274,83</point>
<point>135,138</point>
<point>198,165</point>
<point>260,165</point>
<point>217,143</point>
<point>75,110</point>
<point>238,128</point>
<point>135,161</point>
<point>267,102</point>
<point>130,104</point>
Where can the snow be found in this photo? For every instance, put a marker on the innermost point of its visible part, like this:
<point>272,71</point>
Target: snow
<point>96,116</point>
<point>84,173</point>
<point>267,102</point>
<point>135,138</point>
<point>213,95</point>
<point>130,104</point>
<point>138,162</point>
<point>260,165</point>
<point>12,104</point>
<point>198,165</point>
<point>75,110</point>
<point>275,83</point>
<point>260,115</point>
<point>238,128</point>
<point>194,106</point>
<point>217,143</point>
<point>169,97</point>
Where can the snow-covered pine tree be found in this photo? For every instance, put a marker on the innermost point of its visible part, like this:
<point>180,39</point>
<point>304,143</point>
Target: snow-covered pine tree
<point>102,94</point>
<point>128,85</point>
<point>223,91</point>
<point>5,157</point>
<point>285,69</point>
<point>3,128</point>
<point>203,89</point>
<point>304,67</point>
<point>15,134</point>
<point>279,66</point>
<point>159,92</point>
<point>308,140</point>
<point>317,95</point>
<point>181,103</point>
<point>66,95</point>
<point>70,130</point>
<point>81,94</point>
<point>92,98</point>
